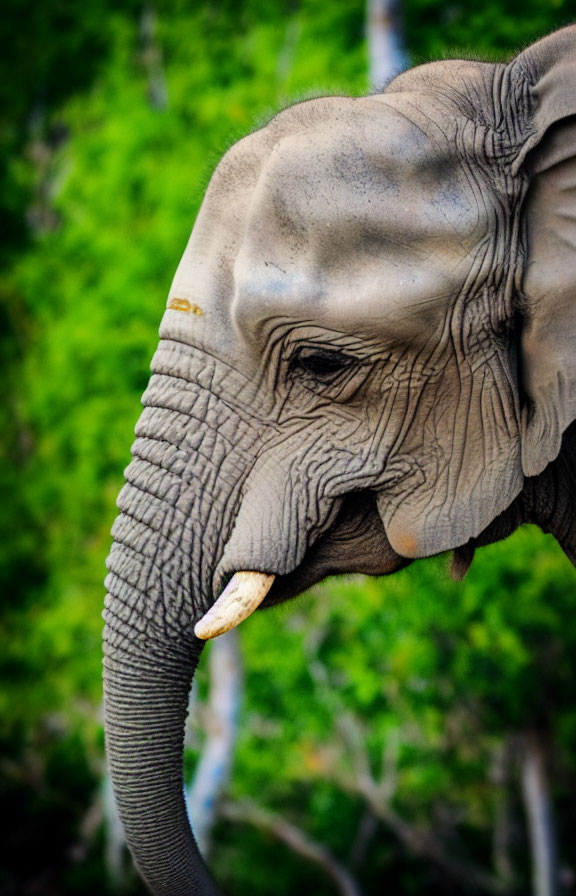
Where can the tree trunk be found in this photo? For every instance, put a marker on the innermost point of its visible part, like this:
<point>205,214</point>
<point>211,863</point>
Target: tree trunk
<point>540,815</point>
<point>385,34</point>
<point>151,56</point>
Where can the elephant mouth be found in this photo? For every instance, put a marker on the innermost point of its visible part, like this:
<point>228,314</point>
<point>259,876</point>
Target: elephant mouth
<point>355,543</point>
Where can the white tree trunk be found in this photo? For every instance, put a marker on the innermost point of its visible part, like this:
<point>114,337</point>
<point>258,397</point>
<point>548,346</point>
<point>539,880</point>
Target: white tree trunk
<point>539,812</point>
<point>384,31</point>
<point>151,56</point>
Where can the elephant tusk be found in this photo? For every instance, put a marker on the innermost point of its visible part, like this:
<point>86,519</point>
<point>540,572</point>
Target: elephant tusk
<point>242,595</point>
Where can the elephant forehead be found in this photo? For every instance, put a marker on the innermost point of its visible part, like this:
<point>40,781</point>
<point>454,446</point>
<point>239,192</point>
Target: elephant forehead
<point>340,211</point>
<point>354,220</point>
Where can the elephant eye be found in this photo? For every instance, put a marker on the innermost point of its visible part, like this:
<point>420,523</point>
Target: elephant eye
<point>321,363</point>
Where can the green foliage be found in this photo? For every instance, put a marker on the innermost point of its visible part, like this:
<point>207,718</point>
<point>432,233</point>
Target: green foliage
<point>423,679</point>
<point>100,186</point>
<point>492,31</point>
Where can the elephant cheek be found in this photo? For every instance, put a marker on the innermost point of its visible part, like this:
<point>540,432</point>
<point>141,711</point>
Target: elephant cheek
<point>410,538</point>
<point>404,543</point>
<point>426,522</point>
<point>402,525</point>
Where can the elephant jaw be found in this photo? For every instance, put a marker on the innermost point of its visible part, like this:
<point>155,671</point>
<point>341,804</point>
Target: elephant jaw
<point>242,595</point>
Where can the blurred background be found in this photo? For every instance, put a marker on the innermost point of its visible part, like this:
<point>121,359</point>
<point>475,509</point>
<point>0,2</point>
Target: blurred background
<point>403,736</point>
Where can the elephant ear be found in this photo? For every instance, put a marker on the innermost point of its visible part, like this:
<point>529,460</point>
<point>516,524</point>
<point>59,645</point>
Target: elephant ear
<point>548,361</point>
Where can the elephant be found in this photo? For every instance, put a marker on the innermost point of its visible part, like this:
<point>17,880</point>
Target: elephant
<point>368,356</point>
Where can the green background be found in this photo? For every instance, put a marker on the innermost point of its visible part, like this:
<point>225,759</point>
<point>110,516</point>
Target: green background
<point>107,143</point>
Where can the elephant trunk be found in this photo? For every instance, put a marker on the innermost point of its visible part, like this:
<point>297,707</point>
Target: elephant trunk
<point>177,510</point>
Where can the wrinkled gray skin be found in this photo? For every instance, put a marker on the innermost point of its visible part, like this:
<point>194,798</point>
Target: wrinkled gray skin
<point>375,362</point>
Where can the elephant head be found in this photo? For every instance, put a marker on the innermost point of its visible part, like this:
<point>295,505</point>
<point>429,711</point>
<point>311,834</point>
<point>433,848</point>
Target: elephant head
<point>368,356</point>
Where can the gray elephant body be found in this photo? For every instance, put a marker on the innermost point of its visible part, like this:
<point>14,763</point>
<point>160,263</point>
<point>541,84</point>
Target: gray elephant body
<point>367,357</point>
